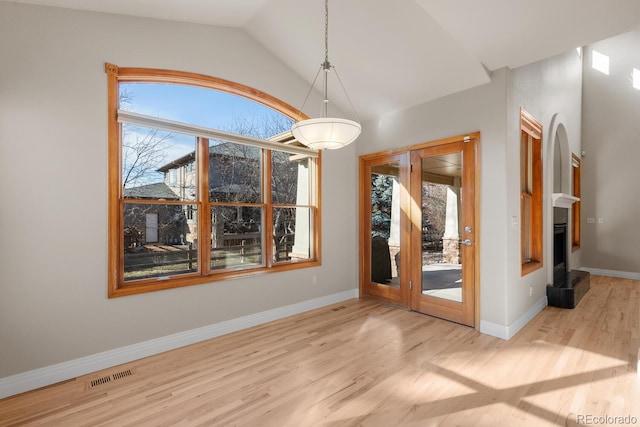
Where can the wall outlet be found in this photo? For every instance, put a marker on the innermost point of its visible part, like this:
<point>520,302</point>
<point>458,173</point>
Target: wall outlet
<point>600,220</point>
<point>314,279</point>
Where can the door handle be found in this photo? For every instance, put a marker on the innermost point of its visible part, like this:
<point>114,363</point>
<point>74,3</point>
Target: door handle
<point>466,242</point>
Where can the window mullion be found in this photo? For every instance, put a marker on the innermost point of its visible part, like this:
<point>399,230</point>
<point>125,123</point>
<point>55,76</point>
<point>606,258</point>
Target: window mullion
<point>267,208</point>
<point>204,206</point>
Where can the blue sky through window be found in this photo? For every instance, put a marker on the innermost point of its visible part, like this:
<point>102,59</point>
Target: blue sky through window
<point>188,104</point>
<point>194,105</point>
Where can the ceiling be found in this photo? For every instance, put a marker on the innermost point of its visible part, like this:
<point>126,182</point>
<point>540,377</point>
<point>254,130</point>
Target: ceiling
<point>391,55</point>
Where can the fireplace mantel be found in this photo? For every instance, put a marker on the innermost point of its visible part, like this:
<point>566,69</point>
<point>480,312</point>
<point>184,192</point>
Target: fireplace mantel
<point>563,200</point>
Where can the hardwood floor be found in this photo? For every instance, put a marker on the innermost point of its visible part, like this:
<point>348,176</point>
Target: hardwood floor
<point>367,364</point>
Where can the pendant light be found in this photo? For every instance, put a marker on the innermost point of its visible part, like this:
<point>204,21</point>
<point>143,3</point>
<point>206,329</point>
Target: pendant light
<point>326,133</point>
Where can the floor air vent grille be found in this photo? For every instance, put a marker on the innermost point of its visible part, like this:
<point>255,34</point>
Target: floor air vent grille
<point>122,374</point>
<point>100,381</point>
<point>108,378</point>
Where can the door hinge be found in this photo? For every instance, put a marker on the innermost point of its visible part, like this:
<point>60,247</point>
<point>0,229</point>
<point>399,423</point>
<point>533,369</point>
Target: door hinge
<point>410,168</point>
<point>410,284</point>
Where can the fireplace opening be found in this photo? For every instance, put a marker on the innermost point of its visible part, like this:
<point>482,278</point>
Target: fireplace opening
<point>559,250</point>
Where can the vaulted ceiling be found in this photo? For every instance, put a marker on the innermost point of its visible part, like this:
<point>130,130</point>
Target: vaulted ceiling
<point>395,54</point>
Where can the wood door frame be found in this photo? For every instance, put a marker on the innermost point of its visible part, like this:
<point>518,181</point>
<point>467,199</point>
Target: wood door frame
<point>365,221</point>
<point>388,294</point>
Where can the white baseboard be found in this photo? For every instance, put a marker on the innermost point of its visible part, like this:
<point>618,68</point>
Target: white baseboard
<point>42,377</point>
<point>507,332</point>
<point>612,273</point>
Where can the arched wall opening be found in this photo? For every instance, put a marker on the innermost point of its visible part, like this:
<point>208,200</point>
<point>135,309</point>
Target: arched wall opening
<point>558,181</point>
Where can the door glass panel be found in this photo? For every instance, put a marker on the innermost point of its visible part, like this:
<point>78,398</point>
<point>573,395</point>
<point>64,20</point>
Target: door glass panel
<point>441,226</point>
<point>385,224</point>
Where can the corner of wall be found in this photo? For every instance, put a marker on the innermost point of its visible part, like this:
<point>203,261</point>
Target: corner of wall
<point>506,332</point>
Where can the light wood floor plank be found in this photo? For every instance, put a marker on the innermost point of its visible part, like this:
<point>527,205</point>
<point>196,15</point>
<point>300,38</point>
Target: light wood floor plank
<point>368,364</point>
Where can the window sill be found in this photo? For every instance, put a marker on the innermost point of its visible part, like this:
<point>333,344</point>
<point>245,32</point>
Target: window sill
<point>530,267</point>
<point>152,285</point>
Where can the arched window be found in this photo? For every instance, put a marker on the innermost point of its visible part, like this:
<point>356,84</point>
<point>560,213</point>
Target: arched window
<point>205,182</point>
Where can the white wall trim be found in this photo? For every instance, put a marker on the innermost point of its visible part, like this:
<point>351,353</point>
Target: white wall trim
<point>42,377</point>
<point>612,273</point>
<point>507,332</point>
<point>494,329</point>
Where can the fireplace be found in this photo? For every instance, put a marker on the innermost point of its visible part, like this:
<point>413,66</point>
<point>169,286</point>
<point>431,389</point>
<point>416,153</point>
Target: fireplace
<point>559,249</point>
<point>568,287</point>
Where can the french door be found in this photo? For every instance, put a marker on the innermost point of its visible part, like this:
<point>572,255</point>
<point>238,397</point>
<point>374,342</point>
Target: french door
<point>385,243</point>
<point>418,228</point>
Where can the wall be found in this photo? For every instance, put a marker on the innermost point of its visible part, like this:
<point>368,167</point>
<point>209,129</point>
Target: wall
<point>550,90</point>
<point>610,173</point>
<point>53,186</point>
<point>478,109</point>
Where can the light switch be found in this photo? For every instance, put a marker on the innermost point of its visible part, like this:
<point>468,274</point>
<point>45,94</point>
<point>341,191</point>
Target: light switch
<point>590,220</point>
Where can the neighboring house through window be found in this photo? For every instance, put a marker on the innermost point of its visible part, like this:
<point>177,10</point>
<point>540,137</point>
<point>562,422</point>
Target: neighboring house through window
<point>222,192</point>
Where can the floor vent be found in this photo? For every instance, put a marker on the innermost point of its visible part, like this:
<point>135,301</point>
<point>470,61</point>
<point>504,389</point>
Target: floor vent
<point>342,307</point>
<point>114,377</point>
<point>122,374</point>
<point>101,381</point>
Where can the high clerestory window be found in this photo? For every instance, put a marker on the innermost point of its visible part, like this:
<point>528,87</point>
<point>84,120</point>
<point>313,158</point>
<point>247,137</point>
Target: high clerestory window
<point>205,182</point>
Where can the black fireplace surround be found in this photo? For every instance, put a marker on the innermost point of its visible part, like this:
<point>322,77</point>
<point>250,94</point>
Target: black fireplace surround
<point>568,287</point>
<point>559,249</point>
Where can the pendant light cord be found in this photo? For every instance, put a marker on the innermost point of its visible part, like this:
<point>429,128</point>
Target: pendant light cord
<point>326,67</point>
<point>326,33</point>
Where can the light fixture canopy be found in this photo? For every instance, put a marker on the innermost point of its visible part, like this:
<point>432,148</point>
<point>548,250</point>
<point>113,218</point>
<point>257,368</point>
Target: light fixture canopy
<point>326,133</point>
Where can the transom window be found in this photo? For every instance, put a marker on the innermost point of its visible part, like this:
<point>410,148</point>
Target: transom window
<point>205,182</point>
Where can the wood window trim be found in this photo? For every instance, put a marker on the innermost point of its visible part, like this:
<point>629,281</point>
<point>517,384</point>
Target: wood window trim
<point>530,267</point>
<point>530,126</point>
<point>576,207</point>
<point>115,262</point>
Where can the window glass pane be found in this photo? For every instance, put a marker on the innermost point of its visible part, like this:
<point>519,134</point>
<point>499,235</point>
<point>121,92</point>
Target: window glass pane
<point>524,162</point>
<point>291,234</point>
<point>385,224</point>
<point>203,107</point>
<point>289,178</point>
<point>236,236</point>
<point>235,173</point>
<point>159,240</point>
<point>442,226</point>
<point>157,164</point>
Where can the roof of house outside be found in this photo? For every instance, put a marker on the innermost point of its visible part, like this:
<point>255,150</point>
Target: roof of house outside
<point>222,149</point>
